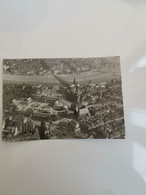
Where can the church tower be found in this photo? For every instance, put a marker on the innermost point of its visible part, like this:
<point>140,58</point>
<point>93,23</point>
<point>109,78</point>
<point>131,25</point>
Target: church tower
<point>74,81</point>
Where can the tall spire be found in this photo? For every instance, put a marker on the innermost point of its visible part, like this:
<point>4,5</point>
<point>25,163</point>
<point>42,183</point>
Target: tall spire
<point>74,82</point>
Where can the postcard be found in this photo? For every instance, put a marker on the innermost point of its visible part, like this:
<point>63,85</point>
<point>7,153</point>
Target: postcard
<point>62,98</point>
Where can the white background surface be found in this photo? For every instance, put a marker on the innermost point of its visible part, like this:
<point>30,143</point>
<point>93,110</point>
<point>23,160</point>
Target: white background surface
<point>79,28</point>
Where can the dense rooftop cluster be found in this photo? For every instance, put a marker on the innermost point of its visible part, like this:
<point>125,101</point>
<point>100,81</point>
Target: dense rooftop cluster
<point>106,118</point>
<point>93,110</point>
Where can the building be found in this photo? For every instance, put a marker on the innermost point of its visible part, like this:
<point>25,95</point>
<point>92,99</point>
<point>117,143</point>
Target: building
<point>84,112</point>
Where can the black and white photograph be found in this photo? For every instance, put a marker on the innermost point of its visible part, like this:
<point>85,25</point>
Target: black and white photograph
<point>62,98</point>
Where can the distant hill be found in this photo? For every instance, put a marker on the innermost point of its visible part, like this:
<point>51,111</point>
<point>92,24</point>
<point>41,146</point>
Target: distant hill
<point>42,66</point>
